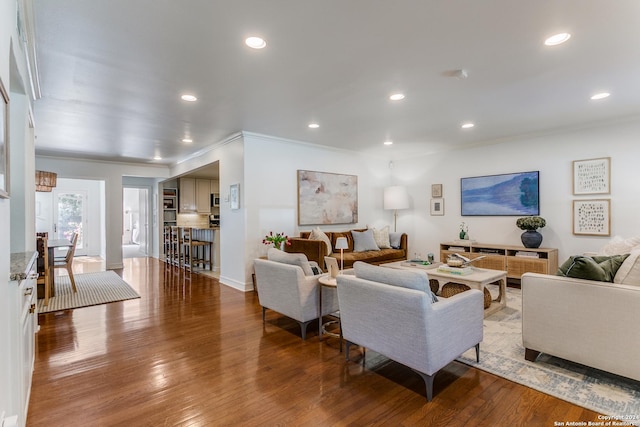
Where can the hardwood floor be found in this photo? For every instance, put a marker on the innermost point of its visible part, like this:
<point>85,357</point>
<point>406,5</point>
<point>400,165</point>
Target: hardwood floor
<point>191,352</point>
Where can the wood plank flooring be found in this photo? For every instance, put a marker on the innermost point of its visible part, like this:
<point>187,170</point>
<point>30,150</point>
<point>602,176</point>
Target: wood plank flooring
<point>192,352</point>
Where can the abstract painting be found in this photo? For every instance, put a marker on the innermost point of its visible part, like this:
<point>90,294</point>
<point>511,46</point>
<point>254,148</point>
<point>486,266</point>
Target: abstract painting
<point>501,195</point>
<point>327,198</point>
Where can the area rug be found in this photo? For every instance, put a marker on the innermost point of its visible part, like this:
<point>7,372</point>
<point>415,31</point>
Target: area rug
<point>93,289</point>
<point>502,354</point>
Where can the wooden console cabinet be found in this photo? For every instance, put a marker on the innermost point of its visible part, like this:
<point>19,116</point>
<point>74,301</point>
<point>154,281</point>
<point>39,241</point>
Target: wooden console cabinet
<point>504,257</point>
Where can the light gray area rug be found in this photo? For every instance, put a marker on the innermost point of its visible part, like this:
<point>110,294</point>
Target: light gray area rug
<point>93,289</point>
<point>502,354</point>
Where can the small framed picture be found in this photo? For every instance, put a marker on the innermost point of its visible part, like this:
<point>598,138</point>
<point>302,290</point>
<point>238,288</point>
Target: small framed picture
<point>592,217</point>
<point>234,196</point>
<point>436,191</point>
<point>592,176</point>
<point>437,207</point>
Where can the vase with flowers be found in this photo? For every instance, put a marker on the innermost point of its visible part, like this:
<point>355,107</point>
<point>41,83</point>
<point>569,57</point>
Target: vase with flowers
<point>531,238</point>
<point>277,240</point>
<point>464,231</point>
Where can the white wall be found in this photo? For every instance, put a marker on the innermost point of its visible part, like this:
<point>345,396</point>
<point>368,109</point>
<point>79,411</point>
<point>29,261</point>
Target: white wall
<point>112,174</point>
<point>552,155</point>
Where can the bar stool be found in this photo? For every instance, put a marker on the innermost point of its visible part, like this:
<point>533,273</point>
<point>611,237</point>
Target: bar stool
<point>176,245</point>
<point>190,248</point>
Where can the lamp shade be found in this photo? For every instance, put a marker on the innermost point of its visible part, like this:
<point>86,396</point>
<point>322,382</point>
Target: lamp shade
<point>45,181</point>
<point>341,243</point>
<point>396,197</point>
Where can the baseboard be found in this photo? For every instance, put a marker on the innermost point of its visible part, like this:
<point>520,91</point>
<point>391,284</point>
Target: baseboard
<point>244,287</point>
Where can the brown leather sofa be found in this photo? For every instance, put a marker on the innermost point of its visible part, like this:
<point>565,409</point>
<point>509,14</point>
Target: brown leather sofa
<point>315,250</point>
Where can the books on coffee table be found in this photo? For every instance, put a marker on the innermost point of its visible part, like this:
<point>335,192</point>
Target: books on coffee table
<point>456,271</point>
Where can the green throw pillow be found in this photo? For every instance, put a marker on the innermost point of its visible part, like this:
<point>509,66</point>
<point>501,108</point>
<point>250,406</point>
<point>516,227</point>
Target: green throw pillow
<point>600,268</point>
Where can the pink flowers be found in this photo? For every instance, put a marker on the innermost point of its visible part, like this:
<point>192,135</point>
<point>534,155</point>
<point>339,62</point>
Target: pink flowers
<point>276,239</point>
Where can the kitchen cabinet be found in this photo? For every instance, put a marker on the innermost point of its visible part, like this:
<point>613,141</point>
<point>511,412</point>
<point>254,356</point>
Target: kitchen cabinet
<point>203,196</point>
<point>187,195</point>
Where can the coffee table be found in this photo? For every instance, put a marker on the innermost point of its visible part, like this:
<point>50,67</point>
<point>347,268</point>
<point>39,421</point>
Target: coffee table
<point>476,280</point>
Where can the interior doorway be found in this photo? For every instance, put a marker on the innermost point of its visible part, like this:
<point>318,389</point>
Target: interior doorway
<point>135,226</point>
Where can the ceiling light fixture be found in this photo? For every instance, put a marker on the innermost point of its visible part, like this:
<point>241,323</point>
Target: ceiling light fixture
<point>314,125</point>
<point>255,42</point>
<point>467,125</point>
<point>187,140</point>
<point>157,158</point>
<point>397,97</point>
<point>388,143</point>
<point>189,98</point>
<point>600,95</point>
<point>557,39</point>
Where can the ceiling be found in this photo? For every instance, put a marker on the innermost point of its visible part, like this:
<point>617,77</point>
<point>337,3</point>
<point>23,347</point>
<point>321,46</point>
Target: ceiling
<point>112,73</point>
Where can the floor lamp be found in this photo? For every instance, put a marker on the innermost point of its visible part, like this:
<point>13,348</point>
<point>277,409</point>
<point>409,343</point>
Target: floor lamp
<point>342,244</point>
<point>396,197</point>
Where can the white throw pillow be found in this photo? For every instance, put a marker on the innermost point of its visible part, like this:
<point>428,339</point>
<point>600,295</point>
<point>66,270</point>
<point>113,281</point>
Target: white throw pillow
<point>620,246</point>
<point>382,237</point>
<point>363,241</point>
<point>629,271</point>
<point>317,234</point>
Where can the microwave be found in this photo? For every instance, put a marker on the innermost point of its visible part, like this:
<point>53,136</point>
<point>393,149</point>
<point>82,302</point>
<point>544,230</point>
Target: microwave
<point>215,200</point>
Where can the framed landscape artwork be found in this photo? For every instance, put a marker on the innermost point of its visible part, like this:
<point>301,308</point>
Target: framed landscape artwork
<point>4,143</point>
<point>592,217</point>
<point>327,198</point>
<point>501,195</point>
<point>592,176</point>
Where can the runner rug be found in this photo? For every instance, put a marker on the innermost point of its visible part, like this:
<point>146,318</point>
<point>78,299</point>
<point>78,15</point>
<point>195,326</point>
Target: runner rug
<point>502,354</point>
<point>93,289</point>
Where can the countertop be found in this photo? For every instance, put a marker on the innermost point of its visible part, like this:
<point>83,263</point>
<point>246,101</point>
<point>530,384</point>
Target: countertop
<point>21,264</point>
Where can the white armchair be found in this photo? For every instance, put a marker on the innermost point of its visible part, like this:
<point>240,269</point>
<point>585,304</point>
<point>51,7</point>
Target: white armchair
<point>283,287</point>
<point>390,311</point>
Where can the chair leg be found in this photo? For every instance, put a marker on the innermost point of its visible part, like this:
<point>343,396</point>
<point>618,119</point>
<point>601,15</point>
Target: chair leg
<point>263,314</point>
<point>73,281</point>
<point>478,352</point>
<point>428,381</point>
<point>347,345</point>
<point>303,328</point>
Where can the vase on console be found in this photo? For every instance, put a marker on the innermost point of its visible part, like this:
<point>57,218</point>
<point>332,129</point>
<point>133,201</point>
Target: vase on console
<point>531,238</point>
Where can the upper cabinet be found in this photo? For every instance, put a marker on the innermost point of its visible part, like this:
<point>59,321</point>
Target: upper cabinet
<point>203,196</point>
<point>187,195</point>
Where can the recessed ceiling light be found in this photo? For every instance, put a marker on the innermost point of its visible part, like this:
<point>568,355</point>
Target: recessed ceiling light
<point>467,125</point>
<point>255,42</point>
<point>189,98</point>
<point>157,158</point>
<point>600,95</point>
<point>557,39</point>
<point>388,143</point>
<point>187,140</point>
<point>397,97</point>
<point>314,125</point>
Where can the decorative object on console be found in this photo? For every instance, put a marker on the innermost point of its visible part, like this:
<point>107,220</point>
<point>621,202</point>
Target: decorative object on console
<point>342,244</point>
<point>501,195</point>
<point>437,207</point>
<point>395,197</point>
<point>531,238</point>
<point>592,176</point>
<point>327,198</point>
<point>592,217</point>
<point>464,231</point>
<point>277,240</point>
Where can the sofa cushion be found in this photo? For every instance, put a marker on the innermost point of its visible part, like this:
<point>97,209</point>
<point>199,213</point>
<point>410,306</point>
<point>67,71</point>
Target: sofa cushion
<point>600,268</point>
<point>417,280</point>
<point>381,236</point>
<point>619,246</point>
<point>395,240</point>
<point>300,260</point>
<point>317,234</point>
<point>629,271</point>
<point>364,241</point>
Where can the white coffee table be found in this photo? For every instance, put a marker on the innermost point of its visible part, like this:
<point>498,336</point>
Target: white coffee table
<point>476,280</point>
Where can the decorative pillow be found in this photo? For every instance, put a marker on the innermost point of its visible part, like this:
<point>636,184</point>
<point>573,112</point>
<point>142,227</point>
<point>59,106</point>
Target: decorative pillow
<point>619,246</point>
<point>395,240</point>
<point>600,268</point>
<point>417,280</point>
<point>317,234</point>
<point>300,260</point>
<point>363,241</point>
<point>629,271</point>
<point>381,237</point>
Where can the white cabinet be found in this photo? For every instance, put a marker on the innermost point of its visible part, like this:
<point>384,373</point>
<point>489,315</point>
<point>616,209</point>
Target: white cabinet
<point>28,323</point>
<point>203,196</point>
<point>187,195</point>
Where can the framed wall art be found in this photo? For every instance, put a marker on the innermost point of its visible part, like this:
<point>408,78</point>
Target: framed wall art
<point>327,198</point>
<point>437,207</point>
<point>436,191</point>
<point>508,194</point>
<point>592,176</point>
<point>234,196</point>
<point>4,142</point>
<point>592,217</point>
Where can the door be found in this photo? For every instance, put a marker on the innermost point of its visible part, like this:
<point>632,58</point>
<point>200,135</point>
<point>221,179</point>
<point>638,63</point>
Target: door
<point>135,225</point>
<point>69,216</point>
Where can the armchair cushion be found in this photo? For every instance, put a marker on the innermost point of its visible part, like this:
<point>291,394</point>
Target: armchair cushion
<point>300,260</point>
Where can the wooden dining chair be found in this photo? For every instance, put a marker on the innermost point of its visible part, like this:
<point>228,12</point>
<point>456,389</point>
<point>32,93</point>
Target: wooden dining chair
<point>43,267</point>
<point>67,261</point>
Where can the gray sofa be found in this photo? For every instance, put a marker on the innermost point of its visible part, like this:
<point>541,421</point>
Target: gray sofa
<point>390,311</point>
